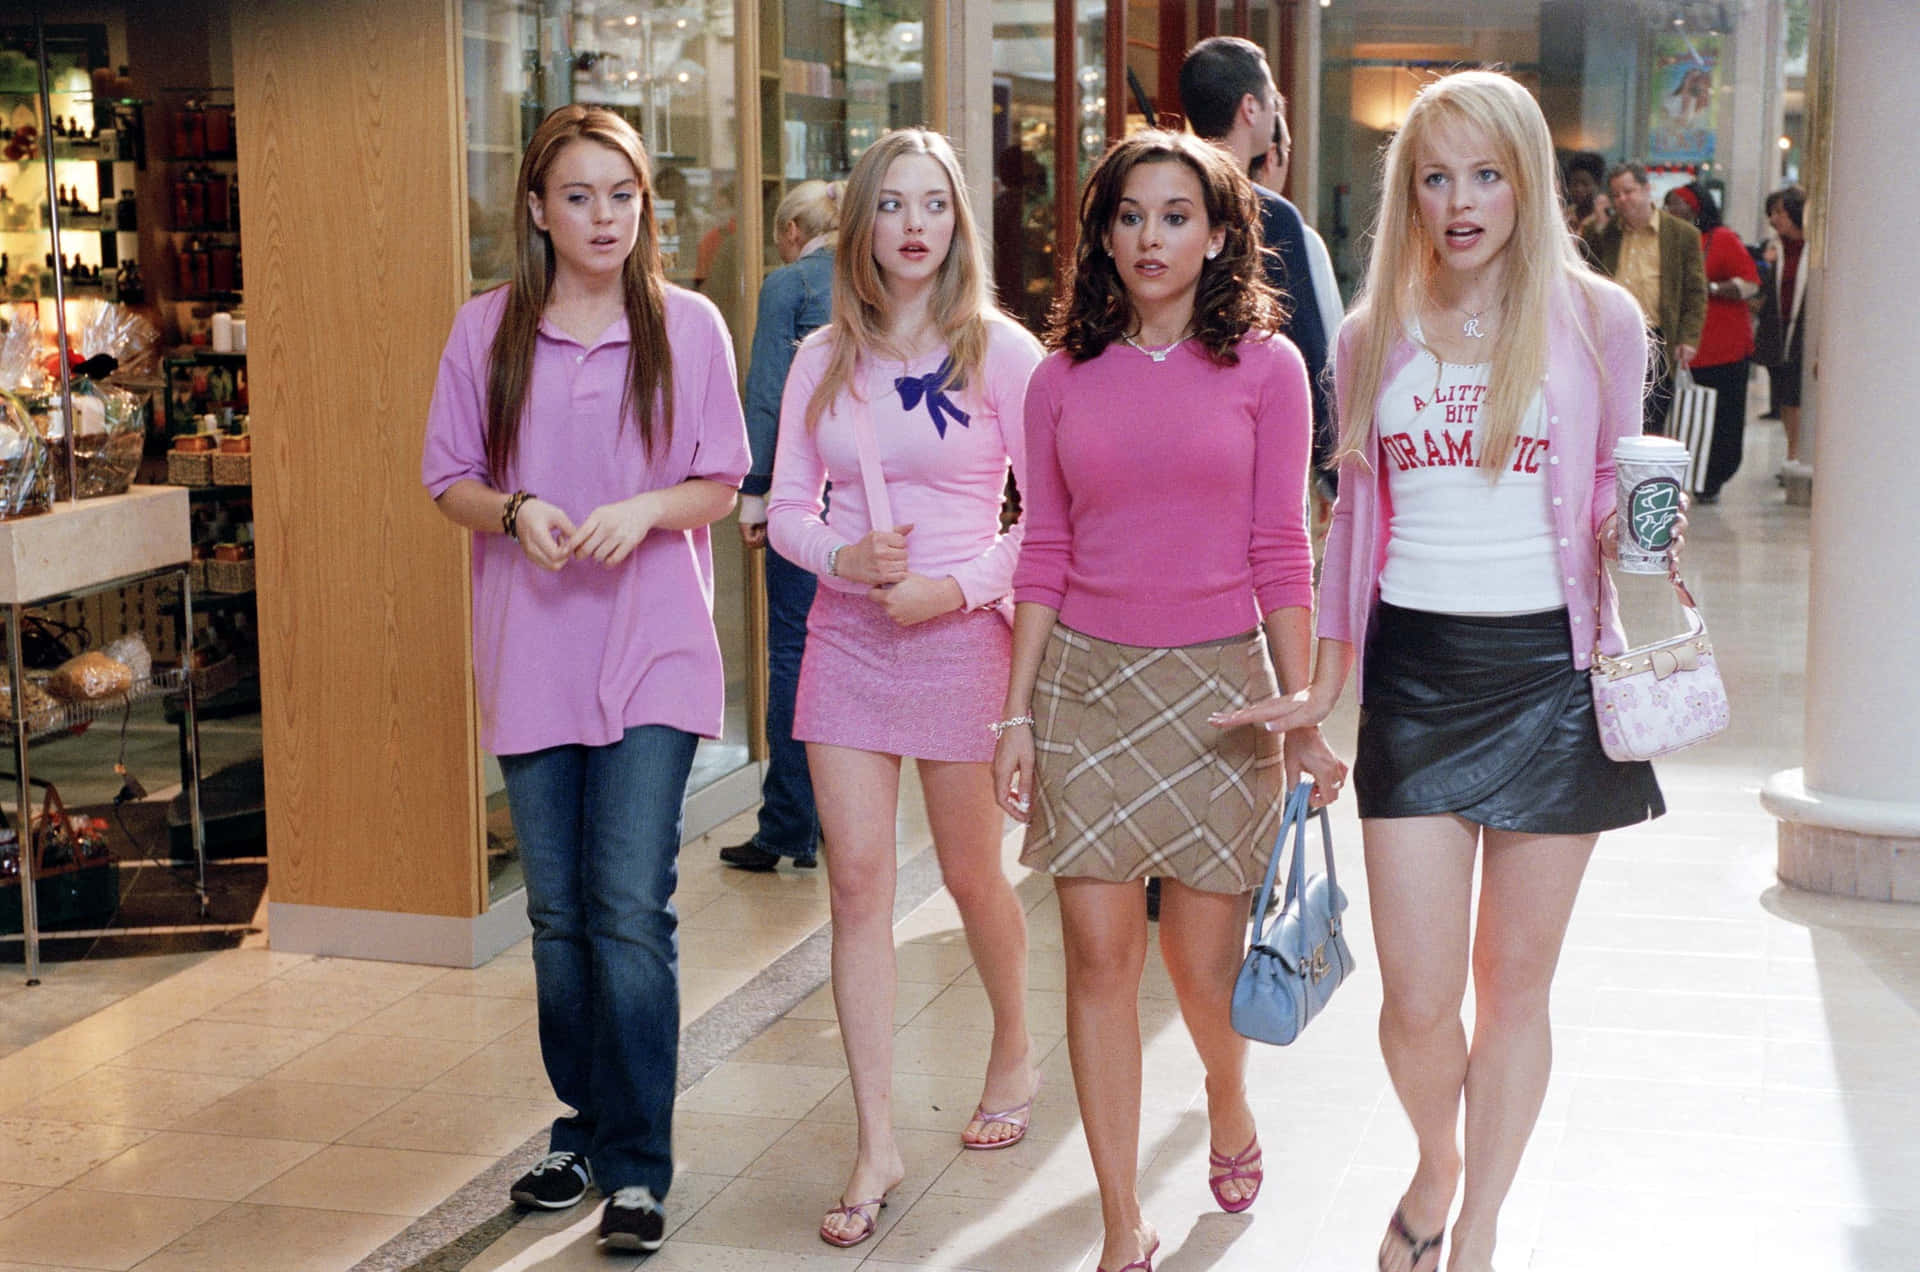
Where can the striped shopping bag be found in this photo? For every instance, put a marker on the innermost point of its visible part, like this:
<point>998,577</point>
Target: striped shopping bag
<point>1691,424</point>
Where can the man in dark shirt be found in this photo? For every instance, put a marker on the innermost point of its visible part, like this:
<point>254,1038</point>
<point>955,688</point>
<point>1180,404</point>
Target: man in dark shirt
<point>1229,98</point>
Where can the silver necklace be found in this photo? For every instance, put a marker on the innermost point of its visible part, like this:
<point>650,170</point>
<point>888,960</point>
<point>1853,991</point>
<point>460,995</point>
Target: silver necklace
<point>1471,327</point>
<point>1160,354</point>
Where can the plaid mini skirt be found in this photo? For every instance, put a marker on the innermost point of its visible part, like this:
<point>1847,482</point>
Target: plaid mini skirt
<point>1130,778</point>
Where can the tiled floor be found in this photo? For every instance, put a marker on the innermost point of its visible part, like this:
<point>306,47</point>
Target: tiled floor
<point>1735,1085</point>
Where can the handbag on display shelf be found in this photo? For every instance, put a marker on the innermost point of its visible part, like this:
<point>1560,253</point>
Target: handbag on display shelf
<point>1691,424</point>
<point>1660,698</point>
<point>1297,958</point>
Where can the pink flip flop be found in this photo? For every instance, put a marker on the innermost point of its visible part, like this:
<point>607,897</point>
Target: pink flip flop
<point>1019,1117</point>
<point>1235,1168</point>
<point>857,1210</point>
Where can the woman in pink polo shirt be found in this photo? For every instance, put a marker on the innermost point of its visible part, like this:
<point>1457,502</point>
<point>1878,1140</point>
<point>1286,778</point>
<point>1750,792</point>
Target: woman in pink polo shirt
<point>1166,553</point>
<point>586,428</point>
<point>906,650</point>
<point>1482,380</point>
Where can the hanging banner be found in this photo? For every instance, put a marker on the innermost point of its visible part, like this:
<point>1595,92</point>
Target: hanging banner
<point>1683,121</point>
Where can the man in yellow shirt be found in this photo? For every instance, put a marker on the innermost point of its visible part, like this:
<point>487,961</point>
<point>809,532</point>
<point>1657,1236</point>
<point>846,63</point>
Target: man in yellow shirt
<point>1657,258</point>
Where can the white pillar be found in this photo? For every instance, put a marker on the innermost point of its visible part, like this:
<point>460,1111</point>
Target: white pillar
<point>969,104</point>
<point>1751,99</point>
<point>1850,819</point>
<point>1305,109</point>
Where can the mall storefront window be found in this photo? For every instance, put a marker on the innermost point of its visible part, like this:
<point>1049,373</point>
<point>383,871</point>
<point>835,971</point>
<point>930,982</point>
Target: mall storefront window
<point>827,80</point>
<point>1645,80</point>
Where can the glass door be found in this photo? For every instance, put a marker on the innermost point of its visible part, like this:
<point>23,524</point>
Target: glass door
<point>668,69</point>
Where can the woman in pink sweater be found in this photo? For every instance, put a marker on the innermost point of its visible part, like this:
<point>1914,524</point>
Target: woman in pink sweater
<point>1482,383</point>
<point>1167,442</point>
<point>906,648</point>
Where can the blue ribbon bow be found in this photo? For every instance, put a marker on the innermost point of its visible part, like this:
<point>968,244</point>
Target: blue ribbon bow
<point>913,387</point>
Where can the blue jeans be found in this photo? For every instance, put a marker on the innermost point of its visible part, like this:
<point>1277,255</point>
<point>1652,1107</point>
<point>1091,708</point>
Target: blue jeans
<point>788,823</point>
<point>599,830</point>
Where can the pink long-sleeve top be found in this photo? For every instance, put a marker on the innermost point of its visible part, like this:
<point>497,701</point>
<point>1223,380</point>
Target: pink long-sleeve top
<point>1589,406</point>
<point>944,455</point>
<point>1166,501</point>
<point>582,655</point>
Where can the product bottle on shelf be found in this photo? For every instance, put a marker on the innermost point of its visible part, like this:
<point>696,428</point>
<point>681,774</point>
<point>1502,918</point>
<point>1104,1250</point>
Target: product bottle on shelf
<point>219,130</point>
<point>220,266</point>
<point>216,198</point>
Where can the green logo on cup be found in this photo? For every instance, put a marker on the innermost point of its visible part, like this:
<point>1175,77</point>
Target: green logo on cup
<point>1651,510</point>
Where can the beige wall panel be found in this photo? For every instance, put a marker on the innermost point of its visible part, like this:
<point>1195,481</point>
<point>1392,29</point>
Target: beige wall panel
<point>355,257</point>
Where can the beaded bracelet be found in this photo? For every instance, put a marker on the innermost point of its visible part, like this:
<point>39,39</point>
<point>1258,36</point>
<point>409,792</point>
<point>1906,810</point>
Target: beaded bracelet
<point>1001,726</point>
<point>509,519</point>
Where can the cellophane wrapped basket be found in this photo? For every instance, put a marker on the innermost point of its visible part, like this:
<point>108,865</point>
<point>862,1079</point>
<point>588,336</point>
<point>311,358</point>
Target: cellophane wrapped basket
<point>26,485</point>
<point>109,435</point>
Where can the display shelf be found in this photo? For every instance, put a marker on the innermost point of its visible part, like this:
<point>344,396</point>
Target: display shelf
<point>64,717</point>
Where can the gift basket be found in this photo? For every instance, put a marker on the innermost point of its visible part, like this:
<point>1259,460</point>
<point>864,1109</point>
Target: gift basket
<point>26,485</point>
<point>109,423</point>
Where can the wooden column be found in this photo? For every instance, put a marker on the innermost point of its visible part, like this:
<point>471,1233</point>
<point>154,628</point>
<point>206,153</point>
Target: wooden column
<point>356,234</point>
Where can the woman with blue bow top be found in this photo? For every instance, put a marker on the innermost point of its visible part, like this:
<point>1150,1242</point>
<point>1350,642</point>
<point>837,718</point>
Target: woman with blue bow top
<point>906,651</point>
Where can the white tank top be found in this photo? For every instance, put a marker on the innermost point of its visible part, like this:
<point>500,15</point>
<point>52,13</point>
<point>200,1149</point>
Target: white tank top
<point>1459,544</point>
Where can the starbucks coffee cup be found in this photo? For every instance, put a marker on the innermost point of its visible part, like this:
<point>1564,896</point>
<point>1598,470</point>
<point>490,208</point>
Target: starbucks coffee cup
<point>1649,474</point>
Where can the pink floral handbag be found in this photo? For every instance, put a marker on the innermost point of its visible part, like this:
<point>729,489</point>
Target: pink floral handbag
<point>1663,697</point>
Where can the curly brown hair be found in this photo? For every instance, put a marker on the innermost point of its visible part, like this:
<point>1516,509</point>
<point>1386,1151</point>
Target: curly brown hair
<point>1233,296</point>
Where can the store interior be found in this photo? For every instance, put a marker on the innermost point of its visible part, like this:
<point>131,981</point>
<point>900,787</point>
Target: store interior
<point>120,248</point>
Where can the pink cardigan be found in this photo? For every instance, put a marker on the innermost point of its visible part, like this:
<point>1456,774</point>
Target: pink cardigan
<point>1586,413</point>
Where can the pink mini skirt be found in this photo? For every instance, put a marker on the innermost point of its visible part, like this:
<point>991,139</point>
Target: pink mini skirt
<point>928,691</point>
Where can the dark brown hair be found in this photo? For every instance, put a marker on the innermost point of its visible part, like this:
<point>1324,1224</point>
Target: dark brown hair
<point>1233,297</point>
<point>510,362</point>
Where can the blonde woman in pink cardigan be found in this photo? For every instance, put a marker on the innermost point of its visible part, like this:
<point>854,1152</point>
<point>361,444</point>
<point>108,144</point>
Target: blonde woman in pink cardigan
<point>1482,381</point>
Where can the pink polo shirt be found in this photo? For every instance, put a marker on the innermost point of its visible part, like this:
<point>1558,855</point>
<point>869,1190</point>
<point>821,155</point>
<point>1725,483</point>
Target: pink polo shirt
<point>582,655</point>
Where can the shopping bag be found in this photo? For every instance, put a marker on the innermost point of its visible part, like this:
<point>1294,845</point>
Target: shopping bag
<point>1691,424</point>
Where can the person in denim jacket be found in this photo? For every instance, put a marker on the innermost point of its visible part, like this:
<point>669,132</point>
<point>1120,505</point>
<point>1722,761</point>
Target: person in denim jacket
<point>794,300</point>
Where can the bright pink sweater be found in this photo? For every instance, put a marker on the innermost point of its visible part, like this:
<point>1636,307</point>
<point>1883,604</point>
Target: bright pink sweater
<point>1165,503</point>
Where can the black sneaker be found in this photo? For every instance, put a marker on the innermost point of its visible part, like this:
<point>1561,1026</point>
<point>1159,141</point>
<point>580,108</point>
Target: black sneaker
<point>632,1220</point>
<point>806,862</point>
<point>749,856</point>
<point>556,1181</point>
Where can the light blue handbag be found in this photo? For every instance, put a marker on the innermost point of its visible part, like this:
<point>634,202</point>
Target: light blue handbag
<point>1298,958</point>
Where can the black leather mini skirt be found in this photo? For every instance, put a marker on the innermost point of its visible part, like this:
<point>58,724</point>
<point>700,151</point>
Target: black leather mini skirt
<point>1488,718</point>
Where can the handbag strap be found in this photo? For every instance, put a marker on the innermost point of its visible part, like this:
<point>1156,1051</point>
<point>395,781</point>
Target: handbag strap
<point>1696,625</point>
<point>1293,819</point>
<point>872,479</point>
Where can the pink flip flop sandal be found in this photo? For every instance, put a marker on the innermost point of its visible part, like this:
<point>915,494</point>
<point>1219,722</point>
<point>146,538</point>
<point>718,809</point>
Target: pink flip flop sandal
<point>857,1210</point>
<point>1019,1117</point>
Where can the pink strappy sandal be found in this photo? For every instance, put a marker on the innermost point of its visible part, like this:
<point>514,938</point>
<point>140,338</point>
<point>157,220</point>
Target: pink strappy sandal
<point>857,1210</point>
<point>1138,1265</point>
<point>1020,1118</point>
<point>1235,1168</point>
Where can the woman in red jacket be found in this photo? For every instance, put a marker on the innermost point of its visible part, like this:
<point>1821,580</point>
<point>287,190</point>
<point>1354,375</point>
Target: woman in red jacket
<point>1727,345</point>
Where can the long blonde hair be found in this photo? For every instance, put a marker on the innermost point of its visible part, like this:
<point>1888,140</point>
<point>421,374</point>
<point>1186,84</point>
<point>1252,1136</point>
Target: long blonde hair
<point>1543,267</point>
<point>962,301</point>
<point>510,360</point>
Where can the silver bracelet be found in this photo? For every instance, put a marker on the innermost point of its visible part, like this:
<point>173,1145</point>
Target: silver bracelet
<point>1001,726</point>
<point>833,561</point>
